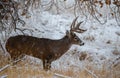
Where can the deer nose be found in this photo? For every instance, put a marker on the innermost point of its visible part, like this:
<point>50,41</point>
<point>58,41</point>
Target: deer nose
<point>82,43</point>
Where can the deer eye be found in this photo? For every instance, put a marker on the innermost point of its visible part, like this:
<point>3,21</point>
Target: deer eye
<point>75,38</point>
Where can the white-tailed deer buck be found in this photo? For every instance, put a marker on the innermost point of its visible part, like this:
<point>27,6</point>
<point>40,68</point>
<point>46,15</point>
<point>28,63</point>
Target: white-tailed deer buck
<point>45,49</point>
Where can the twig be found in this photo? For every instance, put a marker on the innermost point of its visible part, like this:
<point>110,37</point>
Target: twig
<point>3,68</point>
<point>95,76</point>
<point>60,75</point>
<point>22,30</point>
<point>116,61</point>
<point>8,65</point>
<point>2,47</point>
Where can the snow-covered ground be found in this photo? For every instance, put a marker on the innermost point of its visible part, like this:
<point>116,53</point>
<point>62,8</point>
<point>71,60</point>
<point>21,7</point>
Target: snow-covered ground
<point>102,42</point>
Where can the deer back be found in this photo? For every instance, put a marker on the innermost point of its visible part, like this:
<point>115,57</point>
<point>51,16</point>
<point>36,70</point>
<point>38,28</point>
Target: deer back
<point>37,47</point>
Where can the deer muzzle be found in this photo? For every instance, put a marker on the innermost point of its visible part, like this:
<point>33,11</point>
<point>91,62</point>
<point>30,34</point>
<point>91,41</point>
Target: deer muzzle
<point>82,43</point>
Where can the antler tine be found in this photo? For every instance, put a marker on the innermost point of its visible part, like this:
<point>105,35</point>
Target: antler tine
<point>73,23</point>
<point>77,29</point>
<point>77,26</point>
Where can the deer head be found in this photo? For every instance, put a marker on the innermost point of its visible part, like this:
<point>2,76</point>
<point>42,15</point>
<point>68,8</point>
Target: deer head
<point>75,28</point>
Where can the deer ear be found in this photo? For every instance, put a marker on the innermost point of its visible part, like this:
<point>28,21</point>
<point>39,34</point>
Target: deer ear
<point>72,34</point>
<point>68,33</point>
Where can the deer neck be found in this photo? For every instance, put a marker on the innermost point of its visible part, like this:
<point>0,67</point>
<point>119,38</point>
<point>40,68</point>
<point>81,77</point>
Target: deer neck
<point>66,43</point>
<point>66,40</point>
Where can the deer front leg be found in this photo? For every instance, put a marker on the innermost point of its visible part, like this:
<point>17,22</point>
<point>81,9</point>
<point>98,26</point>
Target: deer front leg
<point>46,65</point>
<point>47,61</point>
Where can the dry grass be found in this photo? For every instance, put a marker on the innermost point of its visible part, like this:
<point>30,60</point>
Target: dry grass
<point>25,69</point>
<point>22,70</point>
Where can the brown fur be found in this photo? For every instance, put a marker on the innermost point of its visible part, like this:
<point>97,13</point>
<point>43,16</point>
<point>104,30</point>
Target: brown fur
<point>46,49</point>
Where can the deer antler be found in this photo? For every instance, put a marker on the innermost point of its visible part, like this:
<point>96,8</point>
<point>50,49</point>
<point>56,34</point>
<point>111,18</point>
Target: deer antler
<point>75,28</point>
<point>73,23</point>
